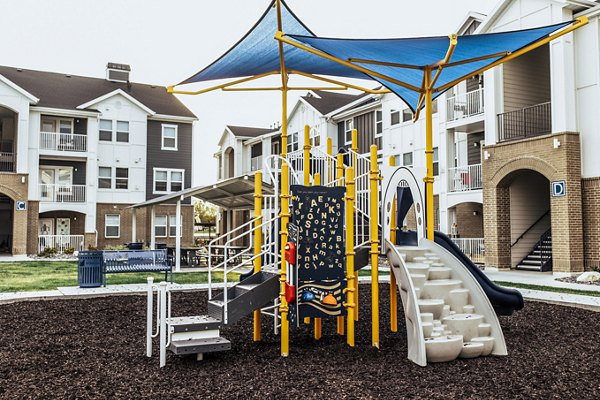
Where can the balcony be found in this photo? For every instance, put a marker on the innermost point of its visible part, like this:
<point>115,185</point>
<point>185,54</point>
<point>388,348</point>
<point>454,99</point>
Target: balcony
<point>63,193</point>
<point>60,242</point>
<point>461,179</point>
<point>472,248</point>
<point>256,163</point>
<point>7,162</point>
<point>464,105</point>
<point>525,123</point>
<point>63,142</point>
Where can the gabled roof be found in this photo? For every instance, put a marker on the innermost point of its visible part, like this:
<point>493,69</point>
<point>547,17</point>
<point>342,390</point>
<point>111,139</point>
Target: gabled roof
<point>326,102</point>
<point>63,91</point>
<point>248,132</point>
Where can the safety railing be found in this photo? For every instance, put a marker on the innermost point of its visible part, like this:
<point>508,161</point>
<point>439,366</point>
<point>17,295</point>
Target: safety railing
<point>525,123</point>
<point>472,247</point>
<point>63,141</point>
<point>465,105</point>
<point>7,162</point>
<point>256,163</point>
<point>60,242</point>
<point>63,193</point>
<point>362,166</point>
<point>465,178</point>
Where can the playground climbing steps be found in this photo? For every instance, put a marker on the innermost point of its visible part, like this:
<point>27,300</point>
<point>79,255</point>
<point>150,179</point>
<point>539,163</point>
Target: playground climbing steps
<point>448,315</point>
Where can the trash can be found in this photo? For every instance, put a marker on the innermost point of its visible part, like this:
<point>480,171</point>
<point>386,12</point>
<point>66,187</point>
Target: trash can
<point>135,246</point>
<point>89,269</point>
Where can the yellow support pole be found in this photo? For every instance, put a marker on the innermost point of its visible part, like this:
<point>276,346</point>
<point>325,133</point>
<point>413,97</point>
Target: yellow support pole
<point>428,156</point>
<point>318,322</point>
<point>393,293</point>
<point>306,157</point>
<point>373,228</point>
<point>257,244</point>
<point>330,172</point>
<point>354,164</point>
<point>351,300</point>
<point>339,177</point>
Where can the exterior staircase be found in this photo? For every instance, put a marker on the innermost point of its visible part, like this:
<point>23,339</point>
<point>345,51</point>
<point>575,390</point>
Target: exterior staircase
<point>540,257</point>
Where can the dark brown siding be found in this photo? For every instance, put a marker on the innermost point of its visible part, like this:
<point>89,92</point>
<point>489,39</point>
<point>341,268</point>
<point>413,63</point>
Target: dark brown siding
<point>365,125</point>
<point>80,126</point>
<point>473,148</point>
<point>157,158</point>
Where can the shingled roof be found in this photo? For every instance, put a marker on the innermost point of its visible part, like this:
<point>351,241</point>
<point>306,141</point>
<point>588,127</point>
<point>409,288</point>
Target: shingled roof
<point>327,102</point>
<point>249,132</point>
<point>64,91</point>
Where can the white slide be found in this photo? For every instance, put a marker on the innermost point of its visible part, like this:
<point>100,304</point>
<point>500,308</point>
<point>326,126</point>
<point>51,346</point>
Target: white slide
<point>447,312</point>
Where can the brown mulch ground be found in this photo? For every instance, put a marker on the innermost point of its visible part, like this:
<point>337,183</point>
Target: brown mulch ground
<point>95,349</point>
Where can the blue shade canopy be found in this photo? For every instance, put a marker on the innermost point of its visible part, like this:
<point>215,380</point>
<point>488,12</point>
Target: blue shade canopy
<point>258,53</point>
<point>405,59</point>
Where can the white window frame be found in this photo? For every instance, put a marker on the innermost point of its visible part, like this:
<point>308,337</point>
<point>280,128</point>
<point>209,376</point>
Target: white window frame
<point>156,217</point>
<point>412,159</point>
<point>104,177</point>
<point>106,130</point>
<point>293,145</point>
<point>162,137</point>
<point>315,135</point>
<point>106,226</point>
<point>348,128</point>
<point>121,178</point>
<point>117,131</point>
<point>436,160</point>
<point>169,171</point>
<point>392,112</point>
<point>174,226</point>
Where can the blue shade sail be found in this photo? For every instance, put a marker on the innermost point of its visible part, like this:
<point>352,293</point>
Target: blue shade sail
<point>258,53</point>
<point>411,55</point>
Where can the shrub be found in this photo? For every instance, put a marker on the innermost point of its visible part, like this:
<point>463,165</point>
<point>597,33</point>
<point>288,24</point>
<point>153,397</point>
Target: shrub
<point>69,250</point>
<point>116,247</point>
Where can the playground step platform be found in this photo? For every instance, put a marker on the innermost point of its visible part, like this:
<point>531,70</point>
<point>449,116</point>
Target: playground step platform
<point>199,346</point>
<point>194,323</point>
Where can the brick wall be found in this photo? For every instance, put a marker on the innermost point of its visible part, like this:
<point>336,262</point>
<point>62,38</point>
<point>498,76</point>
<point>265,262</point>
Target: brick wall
<point>469,225</point>
<point>11,186</point>
<point>590,192</point>
<point>33,210</point>
<point>506,161</point>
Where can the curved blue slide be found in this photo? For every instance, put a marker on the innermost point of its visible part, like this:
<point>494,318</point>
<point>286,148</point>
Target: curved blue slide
<point>505,301</point>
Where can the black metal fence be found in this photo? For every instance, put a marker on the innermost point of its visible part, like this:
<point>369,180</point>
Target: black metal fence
<point>526,122</point>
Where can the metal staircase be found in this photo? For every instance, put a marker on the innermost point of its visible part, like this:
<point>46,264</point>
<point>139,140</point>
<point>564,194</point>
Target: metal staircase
<point>540,257</point>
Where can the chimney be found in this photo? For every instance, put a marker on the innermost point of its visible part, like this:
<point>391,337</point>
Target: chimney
<point>117,72</point>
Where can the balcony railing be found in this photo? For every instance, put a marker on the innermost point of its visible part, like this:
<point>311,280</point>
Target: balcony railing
<point>472,248</point>
<point>60,242</point>
<point>7,162</point>
<point>465,105</point>
<point>63,193</point>
<point>466,178</point>
<point>526,122</point>
<point>256,163</point>
<point>63,141</point>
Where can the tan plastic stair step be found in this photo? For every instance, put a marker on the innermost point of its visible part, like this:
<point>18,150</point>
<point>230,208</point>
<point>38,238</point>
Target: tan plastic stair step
<point>199,346</point>
<point>192,324</point>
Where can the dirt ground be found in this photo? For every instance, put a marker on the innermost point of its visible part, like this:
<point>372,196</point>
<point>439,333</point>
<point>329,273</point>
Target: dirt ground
<point>95,348</point>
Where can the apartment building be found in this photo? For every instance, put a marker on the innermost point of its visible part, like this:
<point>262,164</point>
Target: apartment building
<point>76,152</point>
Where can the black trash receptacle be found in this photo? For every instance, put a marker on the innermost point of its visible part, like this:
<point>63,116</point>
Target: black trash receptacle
<point>160,246</point>
<point>135,246</point>
<point>89,269</point>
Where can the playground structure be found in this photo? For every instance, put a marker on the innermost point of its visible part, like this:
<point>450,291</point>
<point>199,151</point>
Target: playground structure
<point>447,305</point>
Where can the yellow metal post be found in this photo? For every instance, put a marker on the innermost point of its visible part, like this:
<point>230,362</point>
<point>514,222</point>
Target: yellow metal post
<point>318,321</point>
<point>339,177</point>
<point>428,155</point>
<point>354,164</point>
<point>351,300</point>
<point>330,172</point>
<point>373,228</point>
<point>393,293</point>
<point>306,157</point>
<point>257,243</point>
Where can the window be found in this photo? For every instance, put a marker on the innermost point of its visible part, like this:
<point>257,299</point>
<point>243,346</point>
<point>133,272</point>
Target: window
<point>407,159</point>
<point>160,226</point>
<point>105,133</point>
<point>169,137</point>
<point>378,122</point>
<point>397,160</point>
<point>173,226</point>
<point>292,144</point>
<point>395,117</point>
<point>122,178</point>
<point>436,164</point>
<point>112,226</point>
<point>123,131</point>
<point>104,178</point>
<point>315,138</point>
<point>406,115</point>
<point>168,180</point>
<point>348,127</point>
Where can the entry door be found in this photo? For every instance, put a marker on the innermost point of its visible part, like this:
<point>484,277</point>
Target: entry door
<point>47,180</point>
<point>46,226</point>
<point>63,226</point>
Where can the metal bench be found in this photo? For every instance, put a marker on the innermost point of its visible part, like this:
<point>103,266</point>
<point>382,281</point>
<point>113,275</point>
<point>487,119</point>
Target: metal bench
<point>114,262</point>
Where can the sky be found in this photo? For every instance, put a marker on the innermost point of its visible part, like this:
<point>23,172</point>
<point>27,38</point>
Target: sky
<point>168,41</point>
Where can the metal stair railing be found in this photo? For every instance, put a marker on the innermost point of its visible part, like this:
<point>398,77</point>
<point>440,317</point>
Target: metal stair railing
<point>530,228</point>
<point>545,253</point>
<point>362,167</point>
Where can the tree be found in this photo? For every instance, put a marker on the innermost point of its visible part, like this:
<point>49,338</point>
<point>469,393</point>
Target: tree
<point>205,212</point>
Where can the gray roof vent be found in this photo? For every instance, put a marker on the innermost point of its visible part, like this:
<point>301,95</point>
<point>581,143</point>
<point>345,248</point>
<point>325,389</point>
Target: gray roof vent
<point>117,72</point>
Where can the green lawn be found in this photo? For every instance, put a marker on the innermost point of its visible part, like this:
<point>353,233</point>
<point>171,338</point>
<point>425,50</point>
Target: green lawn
<point>549,288</point>
<point>48,275</point>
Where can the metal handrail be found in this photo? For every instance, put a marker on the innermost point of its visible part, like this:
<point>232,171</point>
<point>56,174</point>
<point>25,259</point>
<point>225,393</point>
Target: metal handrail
<point>545,255</point>
<point>531,227</point>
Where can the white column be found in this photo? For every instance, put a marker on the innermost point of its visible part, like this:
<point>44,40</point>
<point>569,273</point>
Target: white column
<point>493,95</point>
<point>562,84</point>
<point>178,236</point>
<point>152,231</point>
<point>133,224</point>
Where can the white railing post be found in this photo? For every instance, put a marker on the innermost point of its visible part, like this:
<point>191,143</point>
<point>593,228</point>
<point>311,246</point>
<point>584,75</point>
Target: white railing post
<point>149,325</point>
<point>57,141</point>
<point>163,323</point>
